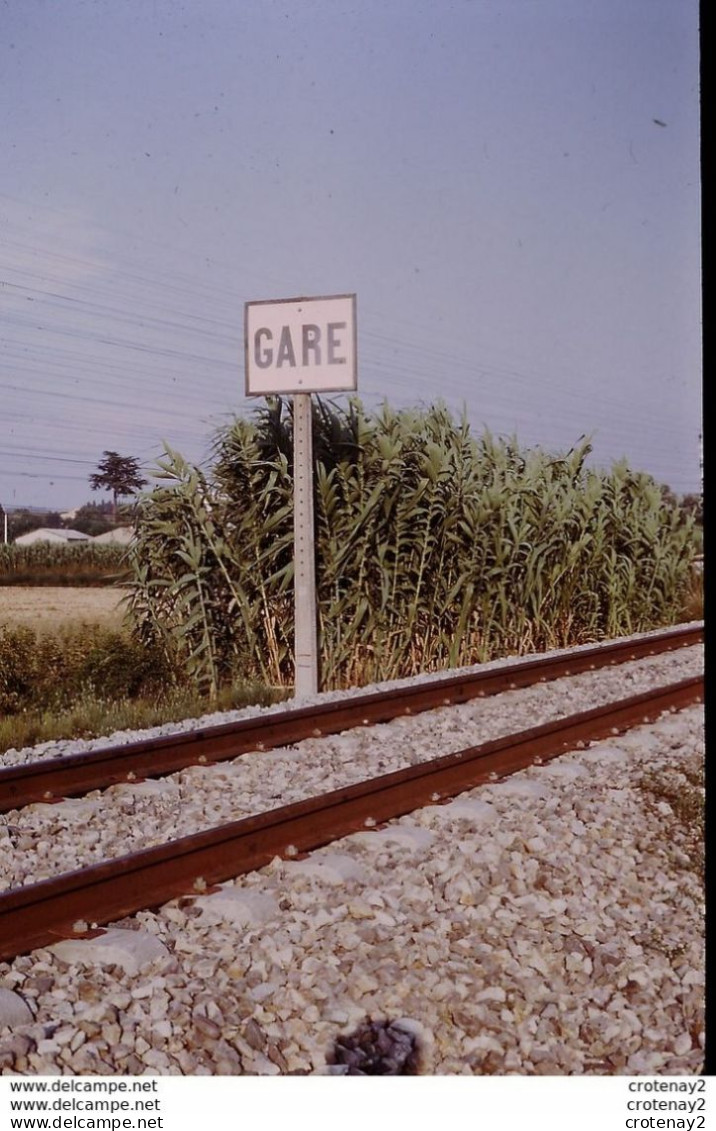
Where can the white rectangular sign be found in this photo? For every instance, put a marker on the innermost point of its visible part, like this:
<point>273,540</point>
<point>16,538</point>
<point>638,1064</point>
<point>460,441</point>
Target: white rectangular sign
<point>300,345</point>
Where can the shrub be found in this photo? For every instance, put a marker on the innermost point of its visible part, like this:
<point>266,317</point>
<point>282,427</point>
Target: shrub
<point>54,671</point>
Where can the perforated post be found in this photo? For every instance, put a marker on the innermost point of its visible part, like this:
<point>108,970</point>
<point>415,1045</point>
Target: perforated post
<point>306,627</point>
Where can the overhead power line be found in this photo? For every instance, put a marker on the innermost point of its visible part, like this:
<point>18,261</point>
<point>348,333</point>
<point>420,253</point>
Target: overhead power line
<point>94,333</point>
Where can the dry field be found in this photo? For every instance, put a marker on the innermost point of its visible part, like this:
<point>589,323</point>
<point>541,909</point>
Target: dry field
<point>46,608</point>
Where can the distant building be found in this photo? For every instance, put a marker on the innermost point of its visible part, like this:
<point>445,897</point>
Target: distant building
<point>121,535</point>
<point>46,534</point>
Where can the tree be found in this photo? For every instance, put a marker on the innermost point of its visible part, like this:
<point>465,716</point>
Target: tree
<point>693,504</point>
<point>118,474</point>
<point>93,518</point>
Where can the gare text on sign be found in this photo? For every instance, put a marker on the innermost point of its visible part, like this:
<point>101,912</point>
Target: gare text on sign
<point>309,350</point>
<point>300,345</point>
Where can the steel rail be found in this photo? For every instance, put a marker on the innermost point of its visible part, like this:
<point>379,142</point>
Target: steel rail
<point>39,914</point>
<point>51,778</point>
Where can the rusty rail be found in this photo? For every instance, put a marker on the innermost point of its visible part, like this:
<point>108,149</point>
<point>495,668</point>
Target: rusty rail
<point>39,914</point>
<point>52,778</point>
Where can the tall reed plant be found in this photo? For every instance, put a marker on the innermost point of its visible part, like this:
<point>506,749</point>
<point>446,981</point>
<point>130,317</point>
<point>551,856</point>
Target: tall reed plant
<point>435,548</point>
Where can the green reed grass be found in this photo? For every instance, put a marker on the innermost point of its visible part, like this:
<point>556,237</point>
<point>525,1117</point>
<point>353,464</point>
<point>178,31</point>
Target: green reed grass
<point>435,548</point>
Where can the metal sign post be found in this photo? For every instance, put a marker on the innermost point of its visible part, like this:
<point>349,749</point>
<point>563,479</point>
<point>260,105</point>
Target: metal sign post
<point>304,564</point>
<point>302,346</point>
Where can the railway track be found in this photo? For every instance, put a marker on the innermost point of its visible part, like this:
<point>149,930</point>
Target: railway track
<point>41,913</point>
<point>56,778</point>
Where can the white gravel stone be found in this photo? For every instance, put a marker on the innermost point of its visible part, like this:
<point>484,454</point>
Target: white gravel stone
<point>519,786</point>
<point>73,808</point>
<point>331,868</point>
<point>13,1009</point>
<point>407,836</point>
<point>132,950</point>
<point>163,789</point>
<point>603,753</point>
<point>683,1044</point>
<point>242,908</point>
<point>563,769</point>
<point>469,809</point>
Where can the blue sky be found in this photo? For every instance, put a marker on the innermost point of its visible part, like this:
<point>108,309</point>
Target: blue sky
<point>512,190</point>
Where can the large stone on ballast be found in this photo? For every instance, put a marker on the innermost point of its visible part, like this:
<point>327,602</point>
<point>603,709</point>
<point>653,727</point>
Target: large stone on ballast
<point>69,809</point>
<point>405,836</point>
<point>464,809</point>
<point>332,868</point>
<point>524,787</point>
<point>242,908</point>
<point>14,1010</point>
<point>133,950</point>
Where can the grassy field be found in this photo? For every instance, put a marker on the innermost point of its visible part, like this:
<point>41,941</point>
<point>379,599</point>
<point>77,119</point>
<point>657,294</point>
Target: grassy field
<point>49,608</point>
<point>69,669</point>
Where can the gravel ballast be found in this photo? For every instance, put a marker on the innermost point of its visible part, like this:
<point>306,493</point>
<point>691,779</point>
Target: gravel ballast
<point>551,923</point>
<point>43,840</point>
<point>65,747</point>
